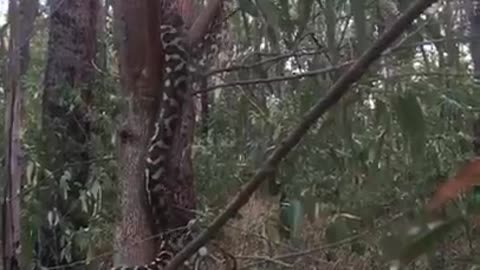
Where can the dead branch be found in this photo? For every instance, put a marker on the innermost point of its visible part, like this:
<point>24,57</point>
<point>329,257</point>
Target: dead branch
<point>277,79</point>
<point>340,87</point>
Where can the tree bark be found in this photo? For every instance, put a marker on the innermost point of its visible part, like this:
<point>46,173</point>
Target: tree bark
<point>140,71</point>
<point>208,22</point>
<point>22,15</point>
<point>11,204</point>
<point>140,68</point>
<point>66,122</point>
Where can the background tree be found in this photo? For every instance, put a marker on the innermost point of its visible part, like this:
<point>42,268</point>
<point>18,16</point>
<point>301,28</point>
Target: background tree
<point>21,17</point>
<point>66,131</point>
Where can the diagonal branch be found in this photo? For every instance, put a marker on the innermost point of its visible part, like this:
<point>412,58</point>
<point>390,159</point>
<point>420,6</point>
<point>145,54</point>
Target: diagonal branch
<point>336,92</point>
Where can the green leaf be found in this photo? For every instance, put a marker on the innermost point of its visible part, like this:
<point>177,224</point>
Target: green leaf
<point>473,204</point>
<point>421,239</point>
<point>96,190</point>
<point>343,226</point>
<point>337,231</point>
<point>412,122</point>
<point>476,195</point>
<point>83,201</point>
<point>64,183</point>
<point>291,218</point>
<point>248,7</point>
<point>90,254</point>
<point>296,214</point>
<point>31,173</point>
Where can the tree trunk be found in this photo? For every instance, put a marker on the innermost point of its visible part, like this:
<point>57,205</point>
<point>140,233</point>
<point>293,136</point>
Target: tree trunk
<point>140,79</point>
<point>181,181</point>
<point>22,15</point>
<point>66,124</point>
<point>140,69</point>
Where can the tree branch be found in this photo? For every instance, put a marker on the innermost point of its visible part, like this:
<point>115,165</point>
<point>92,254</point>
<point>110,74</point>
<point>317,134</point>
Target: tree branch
<point>200,27</point>
<point>265,61</point>
<point>315,72</point>
<point>276,79</point>
<point>336,92</point>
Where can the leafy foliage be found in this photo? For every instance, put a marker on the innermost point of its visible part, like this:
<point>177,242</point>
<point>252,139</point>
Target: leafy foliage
<point>380,152</point>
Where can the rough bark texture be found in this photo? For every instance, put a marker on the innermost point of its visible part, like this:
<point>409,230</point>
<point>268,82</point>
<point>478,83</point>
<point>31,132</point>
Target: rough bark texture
<point>181,181</point>
<point>66,120</point>
<point>21,17</point>
<point>136,23</point>
<point>11,203</point>
<point>140,68</point>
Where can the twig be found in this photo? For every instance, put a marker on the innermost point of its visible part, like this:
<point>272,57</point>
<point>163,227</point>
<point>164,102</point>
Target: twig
<point>108,253</point>
<point>267,259</point>
<point>265,61</point>
<point>333,96</point>
<point>400,46</point>
<point>336,244</point>
<point>315,73</point>
<point>277,79</point>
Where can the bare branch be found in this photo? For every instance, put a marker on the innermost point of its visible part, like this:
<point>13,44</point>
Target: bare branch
<point>277,79</point>
<point>265,61</point>
<point>398,47</point>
